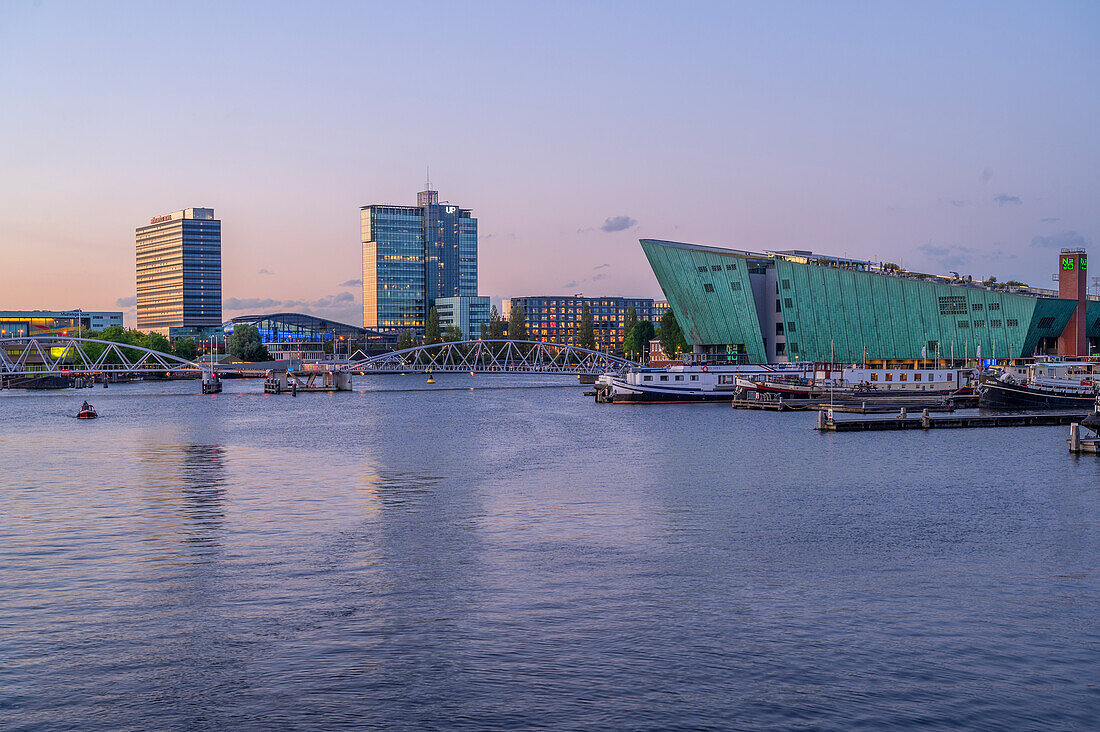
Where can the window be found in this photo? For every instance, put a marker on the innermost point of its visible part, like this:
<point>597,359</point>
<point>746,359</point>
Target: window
<point>702,268</point>
<point>874,376</point>
<point>976,307</point>
<point>979,323</point>
<point>994,324</point>
<point>694,377</point>
<point>780,349</point>
<point>964,323</point>
<point>790,327</point>
<point>647,378</point>
<point>794,347</point>
<point>933,347</point>
<point>951,377</point>
<point>788,303</point>
<point>889,377</point>
<point>904,377</point>
<point>664,378</point>
<point>777,307</point>
<point>994,306</point>
<point>679,377</point>
<point>779,329</point>
<point>1046,323</point>
<point>1012,322</point>
<point>916,377</point>
<point>952,305</point>
<point>708,287</point>
<point>715,268</point>
<point>731,267</point>
<point>735,286</point>
<point>786,284</point>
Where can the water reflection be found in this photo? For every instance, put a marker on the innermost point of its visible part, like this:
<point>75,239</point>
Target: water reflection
<point>185,493</point>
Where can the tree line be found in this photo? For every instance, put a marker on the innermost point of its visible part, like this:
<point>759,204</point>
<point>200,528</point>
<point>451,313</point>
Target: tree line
<point>244,343</point>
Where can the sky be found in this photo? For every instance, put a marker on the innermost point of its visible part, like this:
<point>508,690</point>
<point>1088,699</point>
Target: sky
<point>942,136</point>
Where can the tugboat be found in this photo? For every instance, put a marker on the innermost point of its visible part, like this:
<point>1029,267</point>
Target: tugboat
<point>1049,384</point>
<point>87,411</point>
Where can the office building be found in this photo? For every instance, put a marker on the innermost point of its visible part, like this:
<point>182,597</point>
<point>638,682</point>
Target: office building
<point>412,256</point>
<point>179,271</point>
<point>468,314</point>
<point>22,323</point>
<point>557,318</point>
<point>769,307</point>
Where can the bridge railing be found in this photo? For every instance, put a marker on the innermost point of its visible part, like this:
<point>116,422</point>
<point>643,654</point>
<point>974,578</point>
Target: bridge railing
<point>495,355</point>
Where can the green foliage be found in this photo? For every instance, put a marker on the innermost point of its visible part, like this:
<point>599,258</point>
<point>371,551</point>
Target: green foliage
<point>187,349</point>
<point>496,325</point>
<point>637,340</point>
<point>517,324</point>
<point>630,320</point>
<point>891,267</point>
<point>1015,283</point>
<point>405,340</point>
<point>245,344</point>
<point>672,338</point>
<point>452,333</point>
<point>586,335</point>
<point>431,330</point>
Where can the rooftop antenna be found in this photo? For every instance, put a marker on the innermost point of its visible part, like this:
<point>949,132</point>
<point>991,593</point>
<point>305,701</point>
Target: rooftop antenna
<point>428,177</point>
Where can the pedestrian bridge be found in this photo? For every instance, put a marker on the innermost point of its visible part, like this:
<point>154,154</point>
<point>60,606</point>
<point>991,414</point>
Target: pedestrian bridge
<point>494,356</point>
<point>52,355</point>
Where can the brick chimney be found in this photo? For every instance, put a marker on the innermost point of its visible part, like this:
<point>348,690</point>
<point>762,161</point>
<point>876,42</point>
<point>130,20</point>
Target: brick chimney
<point>1072,277</point>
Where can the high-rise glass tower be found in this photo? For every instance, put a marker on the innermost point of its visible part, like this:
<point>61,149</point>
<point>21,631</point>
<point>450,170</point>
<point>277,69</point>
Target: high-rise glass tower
<point>412,256</point>
<point>179,271</point>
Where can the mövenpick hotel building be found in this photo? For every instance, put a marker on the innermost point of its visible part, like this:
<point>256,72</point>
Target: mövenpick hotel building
<point>179,271</point>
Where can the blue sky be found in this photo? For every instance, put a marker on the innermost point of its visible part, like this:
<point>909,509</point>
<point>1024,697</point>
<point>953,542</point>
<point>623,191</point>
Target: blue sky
<point>944,136</point>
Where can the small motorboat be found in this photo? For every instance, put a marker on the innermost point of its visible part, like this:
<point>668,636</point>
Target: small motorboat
<point>87,411</point>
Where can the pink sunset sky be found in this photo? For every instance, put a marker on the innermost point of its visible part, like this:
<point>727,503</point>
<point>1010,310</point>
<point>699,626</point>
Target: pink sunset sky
<point>942,136</point>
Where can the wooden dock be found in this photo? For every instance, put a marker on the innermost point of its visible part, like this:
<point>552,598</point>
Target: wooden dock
<point>869,406</point>
<point>927,422</point>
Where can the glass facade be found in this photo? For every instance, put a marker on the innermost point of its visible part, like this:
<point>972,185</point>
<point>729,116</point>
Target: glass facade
<point>179,271</point>
<point>557,319</point>
<point>22,323</point>
<point>412,256</point>
<point>296,335</point>
<point>468,314</point>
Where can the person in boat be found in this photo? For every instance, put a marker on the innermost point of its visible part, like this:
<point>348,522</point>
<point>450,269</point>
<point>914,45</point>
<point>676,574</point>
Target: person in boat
<point>85,406</point>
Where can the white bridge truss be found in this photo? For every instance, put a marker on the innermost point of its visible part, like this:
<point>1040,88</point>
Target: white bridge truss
<point>526,357</point>
<point>61,356</point>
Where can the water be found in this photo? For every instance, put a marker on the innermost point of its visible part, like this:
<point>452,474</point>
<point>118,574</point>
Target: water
<point>406,558</point>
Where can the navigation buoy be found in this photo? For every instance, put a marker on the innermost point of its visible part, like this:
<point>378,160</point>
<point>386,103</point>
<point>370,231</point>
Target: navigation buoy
<point>430,379</point>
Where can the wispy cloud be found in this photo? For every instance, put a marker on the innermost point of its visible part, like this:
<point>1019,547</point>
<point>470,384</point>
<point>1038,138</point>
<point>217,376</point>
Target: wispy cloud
<point>948,257</point>
<point>986,175</point>
<point>601,266</point>
<point>265,271</point>
<point>1063,239</point>
<point>1049,220</point>
<point>352,283</point>
<point>1004,199</point>
<point>600,276</point>
<point>618,223</point>
<point>250,303</point>
<point>126,302</point>
<point>570,284</point>
<point>958,204</point>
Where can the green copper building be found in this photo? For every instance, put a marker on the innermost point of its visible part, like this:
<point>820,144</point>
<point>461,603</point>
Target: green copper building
<point>775,307</point>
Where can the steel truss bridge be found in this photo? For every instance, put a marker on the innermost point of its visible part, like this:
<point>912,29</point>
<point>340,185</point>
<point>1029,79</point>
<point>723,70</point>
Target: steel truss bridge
<point>63,356</point>
<point>491,356</point>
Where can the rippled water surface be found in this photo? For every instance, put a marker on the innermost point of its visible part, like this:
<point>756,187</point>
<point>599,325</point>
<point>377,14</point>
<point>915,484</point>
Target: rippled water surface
<point>410,558</point>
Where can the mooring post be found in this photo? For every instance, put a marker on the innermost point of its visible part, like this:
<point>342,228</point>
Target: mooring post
<point>1075,437</point>
<point>821,420</point>
<point>925,420</point>
<point>902,414</point>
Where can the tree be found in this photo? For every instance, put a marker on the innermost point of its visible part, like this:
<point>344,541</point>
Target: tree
<point>155,341</point>
<point>405,340</point>
<point>586,336</point>
<point>452,334</point>
<point>672,338</point>
<point>431,330</point>
<point>517,323</point>
<point>630,320</point>
<point>245,344</point>
<point>496,325</point>
<point>637,340</point>
<point>186,349</point>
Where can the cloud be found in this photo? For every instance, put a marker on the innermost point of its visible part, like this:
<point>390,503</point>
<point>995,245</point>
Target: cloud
<point>1049,220</point>
<point>600,276</point>
<point>265,271</point>
<point>570,284</point>
<point>986,175</point>
<point>322,303</point>
<point>618,223</point>
<point>958,204</point>
<point>949,257</point>
<point>126,302</point>
<point>250,303</point>
<point>352,283</point>
<point>1004,199</point>
<point>1061,240</point>
<point>601,266</point>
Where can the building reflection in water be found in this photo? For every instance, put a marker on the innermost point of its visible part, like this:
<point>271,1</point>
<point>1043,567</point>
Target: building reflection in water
<point>185,491</point>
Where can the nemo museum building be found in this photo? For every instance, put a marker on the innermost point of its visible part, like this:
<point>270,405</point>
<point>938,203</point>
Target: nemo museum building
<point>786,306</point>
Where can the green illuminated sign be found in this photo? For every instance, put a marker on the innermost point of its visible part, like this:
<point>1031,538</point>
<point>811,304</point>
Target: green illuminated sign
<point>1067,263</point>
<point>1084,262</point>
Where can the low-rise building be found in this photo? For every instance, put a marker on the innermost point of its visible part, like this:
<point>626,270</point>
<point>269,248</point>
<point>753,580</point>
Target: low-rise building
<point>308,337</point>
<point>22,323</point>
